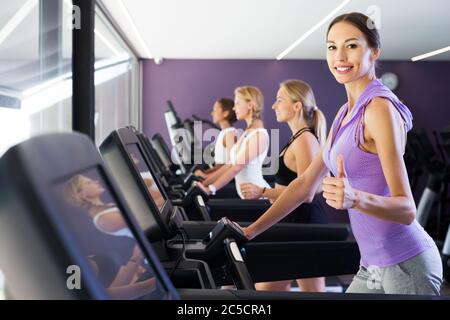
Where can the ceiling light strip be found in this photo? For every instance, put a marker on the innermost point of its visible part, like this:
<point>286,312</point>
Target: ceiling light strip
<point>430,54</point>
<point>310,31</point>
<point>15,21</point>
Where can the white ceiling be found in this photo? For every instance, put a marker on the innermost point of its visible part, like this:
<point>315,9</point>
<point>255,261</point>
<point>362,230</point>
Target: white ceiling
<point>262,29</point>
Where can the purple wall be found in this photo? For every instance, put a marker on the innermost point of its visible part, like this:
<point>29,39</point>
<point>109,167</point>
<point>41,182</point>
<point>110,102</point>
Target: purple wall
<point>194,85</point>
<point>424,88</point>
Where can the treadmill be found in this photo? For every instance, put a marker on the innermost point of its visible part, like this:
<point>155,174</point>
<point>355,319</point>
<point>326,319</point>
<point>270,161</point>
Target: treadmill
<point>248,210</point>
<point>35,176</point>
<point>314,245</point>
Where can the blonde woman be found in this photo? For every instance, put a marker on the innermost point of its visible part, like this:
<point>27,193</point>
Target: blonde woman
<point>295,105</point>
<point>87,193</point>
<point>249,152</point>
<point>124,280</point>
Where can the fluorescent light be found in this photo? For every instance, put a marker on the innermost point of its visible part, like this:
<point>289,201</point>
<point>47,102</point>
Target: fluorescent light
<point>430,54</point>
<point>20,15</point>
<point>310,31</point>
<point>136,32</point>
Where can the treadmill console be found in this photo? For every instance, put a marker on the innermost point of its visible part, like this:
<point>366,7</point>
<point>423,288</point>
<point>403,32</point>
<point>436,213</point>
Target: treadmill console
<point>225,228</point>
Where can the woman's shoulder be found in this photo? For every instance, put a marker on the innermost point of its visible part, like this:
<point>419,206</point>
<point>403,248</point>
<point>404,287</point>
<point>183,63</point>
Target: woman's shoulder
<point>230,137</point>
<point>109,219</point>
<point>258,127</point>
<point>379,109</point>
<point>305,140</point>
<point>228,130</point>
<point>379,102</point>
<point>110,209</point>
<point>260,135</point>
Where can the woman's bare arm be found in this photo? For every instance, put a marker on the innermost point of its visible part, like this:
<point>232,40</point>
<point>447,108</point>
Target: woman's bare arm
<point>384,126</point>
<point>298,191</point>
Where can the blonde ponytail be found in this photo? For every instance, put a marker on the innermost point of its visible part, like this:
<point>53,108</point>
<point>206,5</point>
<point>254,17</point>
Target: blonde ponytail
<point>319,126</point>
<point>254,95</point>
<point>300,91</point>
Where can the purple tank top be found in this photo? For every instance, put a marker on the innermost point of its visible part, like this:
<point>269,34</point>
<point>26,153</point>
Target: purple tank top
<point>381,243</point>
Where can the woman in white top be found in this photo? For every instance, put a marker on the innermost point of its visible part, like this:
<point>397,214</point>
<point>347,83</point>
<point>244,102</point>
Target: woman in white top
<point>87,193</point>
<point>248,154</point>
<point>224,116</point>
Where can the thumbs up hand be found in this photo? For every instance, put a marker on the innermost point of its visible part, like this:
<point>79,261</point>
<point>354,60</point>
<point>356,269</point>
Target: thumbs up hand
<point>337,190</point>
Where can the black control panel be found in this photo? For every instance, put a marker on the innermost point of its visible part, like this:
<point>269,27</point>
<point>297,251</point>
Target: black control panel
<point>211,249</point>
<point>225,228</point>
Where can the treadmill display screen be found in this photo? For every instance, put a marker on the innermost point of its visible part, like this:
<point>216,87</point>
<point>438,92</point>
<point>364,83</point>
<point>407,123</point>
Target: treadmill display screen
<point>146,175</point>
<point>91,212</point>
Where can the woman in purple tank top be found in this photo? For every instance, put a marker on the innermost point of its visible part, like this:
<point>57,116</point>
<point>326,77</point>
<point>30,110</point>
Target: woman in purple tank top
<point>364,151</point>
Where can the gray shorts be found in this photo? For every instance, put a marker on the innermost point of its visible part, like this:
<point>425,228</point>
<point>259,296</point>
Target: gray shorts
<point>420,275</point>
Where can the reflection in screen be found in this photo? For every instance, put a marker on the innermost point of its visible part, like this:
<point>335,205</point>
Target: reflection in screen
<point>103,234</point>
<point>146,175</point>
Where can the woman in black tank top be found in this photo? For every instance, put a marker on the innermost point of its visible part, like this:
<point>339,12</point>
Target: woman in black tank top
<point>296,106</point>
<point>307,212</point>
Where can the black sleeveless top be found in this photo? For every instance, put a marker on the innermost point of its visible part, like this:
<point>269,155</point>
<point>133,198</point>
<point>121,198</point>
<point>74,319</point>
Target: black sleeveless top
<point>286,175</point>
<point>306,212</point>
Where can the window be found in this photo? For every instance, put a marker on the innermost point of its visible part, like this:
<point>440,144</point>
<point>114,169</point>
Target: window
<point>116,80</point>
<point>36,72</point>
<point>35,69</point>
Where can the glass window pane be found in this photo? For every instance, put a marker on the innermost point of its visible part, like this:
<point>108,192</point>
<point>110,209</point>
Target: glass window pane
<point>117,89</point>
<point>19,44</point>
<point>35,81</point>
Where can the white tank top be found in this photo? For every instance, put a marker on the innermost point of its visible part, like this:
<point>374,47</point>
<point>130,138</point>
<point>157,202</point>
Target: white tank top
<point>221,155</point>
<point>252,172</point>
<point>124,232</point>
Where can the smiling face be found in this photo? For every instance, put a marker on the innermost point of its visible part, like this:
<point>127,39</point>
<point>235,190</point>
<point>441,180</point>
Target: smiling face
<point>285,109</point>
<point>349,56</point>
